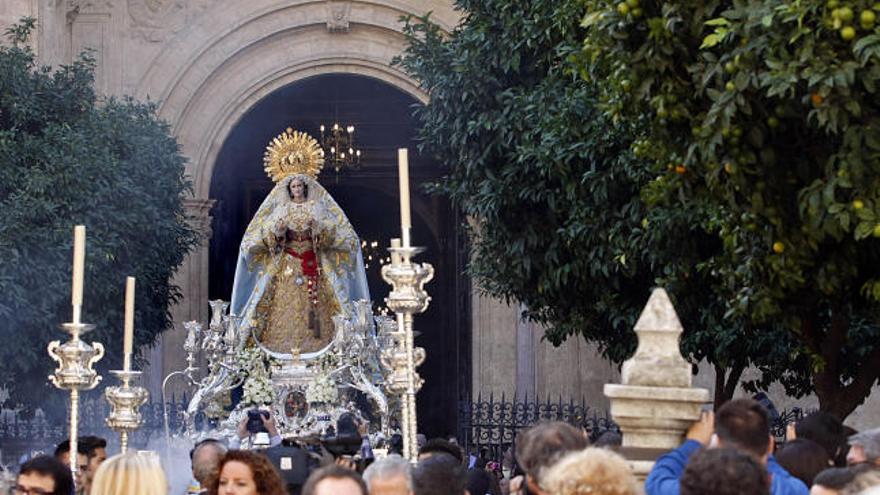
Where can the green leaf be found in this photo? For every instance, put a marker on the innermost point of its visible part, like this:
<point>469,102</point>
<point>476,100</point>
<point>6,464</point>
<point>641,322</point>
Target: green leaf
<point>718,21</point>
<point>713,39</point>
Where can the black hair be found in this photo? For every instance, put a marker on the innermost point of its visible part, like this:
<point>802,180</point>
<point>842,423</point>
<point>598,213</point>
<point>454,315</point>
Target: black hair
<point>745,424</point>
<point>90,444</point>
<point>439,474</point>
<point>803,459</point>
<point>50,466</point>
<point>724,471</point>
<point>441,446</point>
<point>64,447</point>
<point>827,431</point>
<point>479,482</point>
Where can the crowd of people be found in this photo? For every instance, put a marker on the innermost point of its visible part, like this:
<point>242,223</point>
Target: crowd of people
<point>730,452</point>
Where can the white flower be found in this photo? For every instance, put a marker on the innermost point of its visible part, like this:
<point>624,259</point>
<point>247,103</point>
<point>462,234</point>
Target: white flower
<point>322,389</point>
<point>254,365</point>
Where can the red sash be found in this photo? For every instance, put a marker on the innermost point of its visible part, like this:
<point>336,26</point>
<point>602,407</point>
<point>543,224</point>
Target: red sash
<point>309,261</point>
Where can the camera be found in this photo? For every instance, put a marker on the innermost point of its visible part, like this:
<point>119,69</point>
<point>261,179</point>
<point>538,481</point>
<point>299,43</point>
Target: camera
<point>255,421</point>
<point>344,440</point>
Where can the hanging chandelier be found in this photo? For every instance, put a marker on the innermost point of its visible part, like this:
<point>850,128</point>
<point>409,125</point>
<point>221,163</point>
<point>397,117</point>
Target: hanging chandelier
<point>339,147</point>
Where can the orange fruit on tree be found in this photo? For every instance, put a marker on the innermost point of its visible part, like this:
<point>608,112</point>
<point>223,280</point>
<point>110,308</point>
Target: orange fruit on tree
<point>867,19</point>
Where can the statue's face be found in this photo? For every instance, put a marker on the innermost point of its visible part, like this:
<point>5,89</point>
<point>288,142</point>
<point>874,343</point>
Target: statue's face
<point>297,189</point>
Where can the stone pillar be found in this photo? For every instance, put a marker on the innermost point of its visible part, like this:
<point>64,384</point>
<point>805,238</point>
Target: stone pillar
<point>192,278</point>
<point>655,403</point>
<point>526,366</point>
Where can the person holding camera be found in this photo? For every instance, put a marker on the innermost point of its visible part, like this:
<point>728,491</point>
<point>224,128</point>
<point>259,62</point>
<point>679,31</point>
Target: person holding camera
<point>256,430</point>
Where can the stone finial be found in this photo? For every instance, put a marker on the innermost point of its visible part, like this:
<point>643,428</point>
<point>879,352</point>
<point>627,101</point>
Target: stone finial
<point>657,361</point>
<point>655,404</point>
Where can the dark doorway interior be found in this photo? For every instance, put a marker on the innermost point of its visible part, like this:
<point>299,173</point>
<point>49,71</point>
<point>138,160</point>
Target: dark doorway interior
<point>382,116</point>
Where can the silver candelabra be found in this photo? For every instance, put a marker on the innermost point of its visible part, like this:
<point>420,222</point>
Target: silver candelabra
<point>75,372</point>
<point>407,297</point>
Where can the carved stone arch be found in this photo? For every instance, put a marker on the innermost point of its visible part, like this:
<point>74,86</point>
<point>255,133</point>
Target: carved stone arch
<point>238,52</point>
<point>227,111</point>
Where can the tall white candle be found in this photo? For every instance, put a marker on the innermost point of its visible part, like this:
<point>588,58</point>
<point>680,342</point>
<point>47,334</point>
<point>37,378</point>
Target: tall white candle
<point>79,262</point>
<point>403,171</point>
<point>395,257</point>
<point>129,323</point>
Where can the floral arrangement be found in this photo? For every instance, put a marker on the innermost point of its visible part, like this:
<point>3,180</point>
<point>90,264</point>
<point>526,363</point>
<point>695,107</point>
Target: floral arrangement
<point>253,365</point>
<point>323,387</point>
<point>258,389</point>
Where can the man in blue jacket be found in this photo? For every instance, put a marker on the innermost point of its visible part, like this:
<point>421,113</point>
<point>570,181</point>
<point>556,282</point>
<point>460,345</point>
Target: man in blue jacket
<point>742,424</point>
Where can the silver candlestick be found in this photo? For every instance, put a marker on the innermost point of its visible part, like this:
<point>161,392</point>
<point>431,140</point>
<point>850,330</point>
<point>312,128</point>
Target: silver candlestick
<point>407,298</point>
<point>125,402</point>
<point>75,372</point>
<point>191,346</point>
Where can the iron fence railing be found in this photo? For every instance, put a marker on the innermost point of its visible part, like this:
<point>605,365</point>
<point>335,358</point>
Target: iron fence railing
<point>23,437</point>
<point>491,425</point>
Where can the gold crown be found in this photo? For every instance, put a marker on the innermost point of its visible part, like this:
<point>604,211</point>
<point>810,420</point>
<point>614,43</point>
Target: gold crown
<point>293,153</point>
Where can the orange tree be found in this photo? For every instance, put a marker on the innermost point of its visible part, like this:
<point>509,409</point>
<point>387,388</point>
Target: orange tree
<point>69,157</point>
<point>554,190</point>
<point>761,119</point>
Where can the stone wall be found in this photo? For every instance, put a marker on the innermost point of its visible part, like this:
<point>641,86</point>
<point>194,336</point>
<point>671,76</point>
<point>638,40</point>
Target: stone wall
<point>510,357</point>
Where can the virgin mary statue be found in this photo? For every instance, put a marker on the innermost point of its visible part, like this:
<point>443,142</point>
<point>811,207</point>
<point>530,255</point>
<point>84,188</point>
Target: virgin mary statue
<point>300,260</point>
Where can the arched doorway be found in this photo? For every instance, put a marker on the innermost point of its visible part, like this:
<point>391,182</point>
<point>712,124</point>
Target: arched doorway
<point>382,115</point>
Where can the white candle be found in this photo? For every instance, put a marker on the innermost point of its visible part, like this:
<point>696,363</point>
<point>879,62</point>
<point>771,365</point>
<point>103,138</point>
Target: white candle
<point>395,257</point>
<point>79,262</point>
<point>129,323</point>
<point>403,171</point>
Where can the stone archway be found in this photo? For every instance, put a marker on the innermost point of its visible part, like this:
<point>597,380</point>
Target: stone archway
<point>241,51</point>
<point>218,67</point>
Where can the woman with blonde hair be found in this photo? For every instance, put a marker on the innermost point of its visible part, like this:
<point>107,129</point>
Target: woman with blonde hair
<point>594,471</point>
<point>130,474</point>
